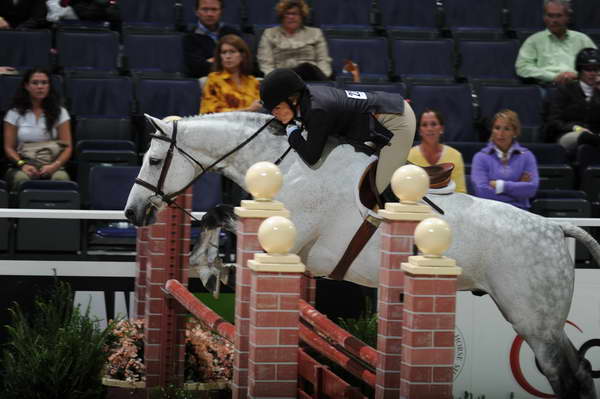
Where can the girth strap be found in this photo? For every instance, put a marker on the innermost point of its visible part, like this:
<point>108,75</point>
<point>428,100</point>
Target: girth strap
<point>358,242</point>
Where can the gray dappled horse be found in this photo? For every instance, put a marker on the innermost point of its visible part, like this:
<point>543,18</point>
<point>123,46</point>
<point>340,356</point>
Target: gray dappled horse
<point>520,259</point>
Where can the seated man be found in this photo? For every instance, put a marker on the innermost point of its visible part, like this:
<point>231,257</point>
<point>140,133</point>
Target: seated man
<point>548,56</point>
<point>199,45</point>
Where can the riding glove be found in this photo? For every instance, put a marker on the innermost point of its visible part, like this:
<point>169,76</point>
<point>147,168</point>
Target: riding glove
<point>291,128</point>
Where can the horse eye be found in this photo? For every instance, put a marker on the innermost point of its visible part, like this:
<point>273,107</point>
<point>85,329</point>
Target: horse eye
<point>155,161</point>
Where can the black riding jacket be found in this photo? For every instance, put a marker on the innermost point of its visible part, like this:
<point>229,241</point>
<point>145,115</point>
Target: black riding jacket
<point>326,111</point>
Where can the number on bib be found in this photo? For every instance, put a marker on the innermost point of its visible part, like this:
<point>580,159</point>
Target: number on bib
<point>357,95</point>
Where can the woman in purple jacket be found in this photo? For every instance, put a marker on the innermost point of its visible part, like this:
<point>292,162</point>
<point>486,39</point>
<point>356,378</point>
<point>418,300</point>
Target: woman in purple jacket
<point>505,170</point>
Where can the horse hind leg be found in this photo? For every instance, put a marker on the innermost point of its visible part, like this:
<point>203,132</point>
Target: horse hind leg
<point>568,373</point>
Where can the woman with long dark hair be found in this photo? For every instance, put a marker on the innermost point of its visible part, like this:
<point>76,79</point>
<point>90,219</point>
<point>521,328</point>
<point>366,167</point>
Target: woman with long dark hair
<point>37,131</point>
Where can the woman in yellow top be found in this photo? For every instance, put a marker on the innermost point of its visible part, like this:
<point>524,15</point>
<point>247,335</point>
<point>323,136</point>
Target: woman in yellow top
<point>432,152</point>
<point>231,87</point>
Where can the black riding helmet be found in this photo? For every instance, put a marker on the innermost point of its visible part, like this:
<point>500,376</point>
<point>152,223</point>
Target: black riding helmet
<point>587,56</point>
<point>278,86</point>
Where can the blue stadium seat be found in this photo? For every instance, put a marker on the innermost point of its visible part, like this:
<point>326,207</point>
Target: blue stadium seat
<point>164,97</point>
<point>95,51</point>
<point>525,100</point>
<point>100,96</point>
<point>586,16</point>
<point>231,13</point>
<point>371,54</point>
<point>340,16</point>
<point>86,128</point>
<point>475,19</point>
<point>91,153</point>
<point>398,88</point>
<point>38,234</point>
<point>148,14</point>
<point>553,167</point>
<point>410,18</point>
<point>526,15</point>
<point>424,58</point>
<point>262,12</point>
<point>207,192</point>
<point>110,186</point>
<point>454,101</point>
<point>488,60</point>
<point>153,52</point>
<point>25,49</point>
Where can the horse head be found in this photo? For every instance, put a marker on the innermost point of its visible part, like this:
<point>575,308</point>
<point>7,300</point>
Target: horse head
<point>165,172</point>
<point>180,150</point>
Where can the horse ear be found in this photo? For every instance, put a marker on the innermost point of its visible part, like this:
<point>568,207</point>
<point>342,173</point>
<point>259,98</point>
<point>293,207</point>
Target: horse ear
<point>157,124</point>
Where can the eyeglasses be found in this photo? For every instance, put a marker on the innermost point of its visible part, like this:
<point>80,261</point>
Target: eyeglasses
<point>590,68</point>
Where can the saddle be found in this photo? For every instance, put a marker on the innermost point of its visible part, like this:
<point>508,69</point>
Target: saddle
<point>439,177</point>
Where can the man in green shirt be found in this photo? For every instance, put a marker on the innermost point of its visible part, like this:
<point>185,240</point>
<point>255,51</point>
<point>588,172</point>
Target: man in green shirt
<point>549,56</point>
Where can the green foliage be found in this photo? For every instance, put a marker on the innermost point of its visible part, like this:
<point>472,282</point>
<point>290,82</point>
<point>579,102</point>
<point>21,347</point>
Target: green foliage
<point>173,391</point>
<point>57,352</point>
<point>365,327</point>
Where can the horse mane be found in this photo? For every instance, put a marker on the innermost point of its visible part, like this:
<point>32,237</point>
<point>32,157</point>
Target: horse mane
<point>244,118</point>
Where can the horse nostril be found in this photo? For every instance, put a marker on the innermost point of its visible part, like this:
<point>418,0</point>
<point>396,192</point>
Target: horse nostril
<point>130,214</point>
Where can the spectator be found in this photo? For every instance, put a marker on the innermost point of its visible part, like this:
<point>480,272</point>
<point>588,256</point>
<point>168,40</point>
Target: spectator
<point>231,87</point>
<point>199,45</point>
<point>23,14</point>
<point>37,132</point>
<point>504,170</point>
<point>574,110</point>
<point>293,45</point>
<point>95,10</point>
<point>548,56</point>
<point>431,152</point>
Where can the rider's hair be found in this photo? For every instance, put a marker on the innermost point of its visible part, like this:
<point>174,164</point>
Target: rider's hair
<point>240,45</point>
<point>511,117</point>
<point>284,5</point>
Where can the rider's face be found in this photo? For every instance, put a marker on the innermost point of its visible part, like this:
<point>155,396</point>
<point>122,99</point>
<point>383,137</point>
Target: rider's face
<point>282,112</point>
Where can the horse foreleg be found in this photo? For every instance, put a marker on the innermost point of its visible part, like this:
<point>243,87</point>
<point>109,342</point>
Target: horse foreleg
<point>567,372</point>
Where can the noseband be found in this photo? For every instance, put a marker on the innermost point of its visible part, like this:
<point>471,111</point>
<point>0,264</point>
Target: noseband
<point>158,189</point>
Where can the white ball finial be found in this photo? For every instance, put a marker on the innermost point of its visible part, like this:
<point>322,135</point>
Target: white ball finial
<point>263,180</point>
<point>277,235</point>
<point>410,183</point>
<point>171,118</point>
<point>433,236</point>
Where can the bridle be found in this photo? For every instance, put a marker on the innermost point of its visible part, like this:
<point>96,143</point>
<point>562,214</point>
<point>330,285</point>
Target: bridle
<point>158,188</point>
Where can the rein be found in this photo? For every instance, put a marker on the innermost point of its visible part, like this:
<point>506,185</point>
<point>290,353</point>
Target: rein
<point>173,145</point>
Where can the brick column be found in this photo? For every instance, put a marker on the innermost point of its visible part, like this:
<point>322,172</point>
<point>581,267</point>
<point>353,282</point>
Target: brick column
<point>164,321</point>
<point>274,317</point>
<point>308,288</point>
<point>429,316</point>
<point>251,214</point>
<point>400,220</point>
<point>141,259</point>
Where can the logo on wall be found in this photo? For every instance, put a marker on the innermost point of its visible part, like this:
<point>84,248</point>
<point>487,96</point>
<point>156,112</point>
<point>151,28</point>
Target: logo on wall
<point>460,352</point>
<point>517,371</point>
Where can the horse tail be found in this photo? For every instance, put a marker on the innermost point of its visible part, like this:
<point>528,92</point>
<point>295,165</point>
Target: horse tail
<point>576,232</point>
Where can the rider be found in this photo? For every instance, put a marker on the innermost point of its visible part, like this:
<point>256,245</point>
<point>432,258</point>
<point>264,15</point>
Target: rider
<point>382,123</point>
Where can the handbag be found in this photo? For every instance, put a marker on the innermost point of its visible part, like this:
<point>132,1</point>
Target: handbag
<point>39,153</point>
